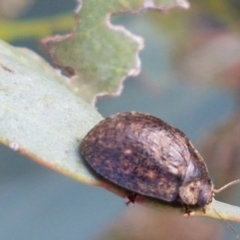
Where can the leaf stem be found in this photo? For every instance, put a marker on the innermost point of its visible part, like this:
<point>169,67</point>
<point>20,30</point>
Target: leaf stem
<point>35,28</point>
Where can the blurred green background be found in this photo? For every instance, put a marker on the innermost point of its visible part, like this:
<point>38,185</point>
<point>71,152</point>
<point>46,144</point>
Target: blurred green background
<point>190,78</point>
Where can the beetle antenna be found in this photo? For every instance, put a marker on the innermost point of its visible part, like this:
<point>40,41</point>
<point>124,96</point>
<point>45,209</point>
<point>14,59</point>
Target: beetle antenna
<point>226,186</point>
<point>227,223</point>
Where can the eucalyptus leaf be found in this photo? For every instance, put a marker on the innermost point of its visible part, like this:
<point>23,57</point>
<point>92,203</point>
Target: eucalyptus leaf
<point>39,116</point>
<point>97,54</point>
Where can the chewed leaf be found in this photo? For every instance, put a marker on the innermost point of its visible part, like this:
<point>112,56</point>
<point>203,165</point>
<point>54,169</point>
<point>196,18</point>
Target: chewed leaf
<point>40,116</point>
<point>97,54</point>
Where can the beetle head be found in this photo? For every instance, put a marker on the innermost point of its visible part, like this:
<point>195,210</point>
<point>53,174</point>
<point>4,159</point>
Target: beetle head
<point>196,192</point>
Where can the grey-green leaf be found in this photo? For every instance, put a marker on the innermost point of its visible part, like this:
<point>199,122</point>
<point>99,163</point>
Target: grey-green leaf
<point>39,116</point>
<point>98,54</point>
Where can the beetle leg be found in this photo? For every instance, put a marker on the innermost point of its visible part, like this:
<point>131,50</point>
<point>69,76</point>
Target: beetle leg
<point>187,210</point>
<point>131,198</point>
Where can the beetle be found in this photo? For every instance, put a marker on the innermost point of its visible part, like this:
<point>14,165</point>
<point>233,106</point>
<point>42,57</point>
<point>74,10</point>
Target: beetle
<point>146,156</point>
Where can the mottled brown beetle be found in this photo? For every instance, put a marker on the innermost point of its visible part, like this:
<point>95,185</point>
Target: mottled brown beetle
<point>146,156</point>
